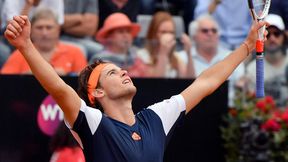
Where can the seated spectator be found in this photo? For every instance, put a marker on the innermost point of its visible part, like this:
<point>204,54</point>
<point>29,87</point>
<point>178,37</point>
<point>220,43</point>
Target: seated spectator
<point>280,7</point>
<point>80,25</point>
<point>117,36</point>
<point>234,29</point>
<point>27,7</point>
<point>45,30</point>
<point>131,8</point>
<point>159,54</point>
<point>182,8</point>
<point>64,147</point>
<point>276,61</point>
<point>207,51</point>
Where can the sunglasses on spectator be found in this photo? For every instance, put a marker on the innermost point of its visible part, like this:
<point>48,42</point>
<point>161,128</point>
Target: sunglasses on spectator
<point>275,33</point>
<point>206,30</point>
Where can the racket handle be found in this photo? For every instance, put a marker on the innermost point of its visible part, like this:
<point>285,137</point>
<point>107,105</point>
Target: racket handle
<point>259,70</point>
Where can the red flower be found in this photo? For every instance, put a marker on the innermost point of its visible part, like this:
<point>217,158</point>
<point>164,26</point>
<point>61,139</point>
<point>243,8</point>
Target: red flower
<point>271,125</point>
<point>270,101</point>
<point>284,116</point>
<point>233,112</point>
<point>261,105</point>
<point>277,115</point>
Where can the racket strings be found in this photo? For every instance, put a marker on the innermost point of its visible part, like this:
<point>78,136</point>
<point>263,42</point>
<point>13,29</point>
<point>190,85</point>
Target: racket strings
<point>259,7</point>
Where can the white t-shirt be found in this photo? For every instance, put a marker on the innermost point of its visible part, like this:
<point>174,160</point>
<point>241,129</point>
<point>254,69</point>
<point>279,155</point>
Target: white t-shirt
<point>14,7</point>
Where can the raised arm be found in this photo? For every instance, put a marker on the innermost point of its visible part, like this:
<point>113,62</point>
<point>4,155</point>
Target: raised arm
<point>18,34</point>
<point>210,79</point>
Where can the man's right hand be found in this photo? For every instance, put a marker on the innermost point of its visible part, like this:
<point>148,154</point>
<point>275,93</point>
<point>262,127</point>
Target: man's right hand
<point>18,31</point>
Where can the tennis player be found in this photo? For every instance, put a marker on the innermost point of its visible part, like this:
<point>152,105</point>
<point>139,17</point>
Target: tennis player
<point>110,132</point>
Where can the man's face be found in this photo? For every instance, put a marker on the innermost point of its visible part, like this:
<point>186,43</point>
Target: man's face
<point>275,39</point>
<point>45,34</point>
<point>207,35</point>
<point>116,83</point>
<point>121,38</point>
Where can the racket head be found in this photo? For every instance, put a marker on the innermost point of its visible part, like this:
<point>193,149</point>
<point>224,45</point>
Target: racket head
<point>259,8</point>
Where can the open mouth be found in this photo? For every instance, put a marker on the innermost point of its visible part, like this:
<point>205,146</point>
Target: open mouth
<point>126,81</point>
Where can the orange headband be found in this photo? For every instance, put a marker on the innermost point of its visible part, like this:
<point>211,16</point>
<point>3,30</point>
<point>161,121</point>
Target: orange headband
<point>93,81</point>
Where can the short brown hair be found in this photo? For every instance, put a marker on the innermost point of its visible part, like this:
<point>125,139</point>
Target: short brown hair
<point>83,84</point>
<point>43,13</point>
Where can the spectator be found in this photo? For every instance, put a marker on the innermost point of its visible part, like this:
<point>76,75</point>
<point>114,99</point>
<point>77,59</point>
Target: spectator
<point>27,7</point>
<point>117,35</point>
<point>183,8</point>
<point>276,61</point>
<point>64,147</point>
<point>207,51</point>
<point>159,53</point>
<point>280,7</point>
<point>4,49</point>
<point>234,28</point>
<point>148,7</point>
<point>131,8</point>
<point>45,32</point>
<point>80,25</point>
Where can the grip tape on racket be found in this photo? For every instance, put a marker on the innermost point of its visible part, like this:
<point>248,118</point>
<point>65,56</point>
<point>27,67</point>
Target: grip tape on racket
<point>259,70</point>
<point>260,77</point>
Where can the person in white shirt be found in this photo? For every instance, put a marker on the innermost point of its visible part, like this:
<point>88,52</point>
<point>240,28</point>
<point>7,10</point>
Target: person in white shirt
<point>27,7</point>
<point>207,50</point>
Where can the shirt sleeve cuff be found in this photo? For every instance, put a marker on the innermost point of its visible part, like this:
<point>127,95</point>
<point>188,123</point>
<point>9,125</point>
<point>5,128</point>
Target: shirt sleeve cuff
<point>179,98</point>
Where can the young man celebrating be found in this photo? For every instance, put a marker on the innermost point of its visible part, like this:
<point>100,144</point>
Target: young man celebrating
<point>118,134</point>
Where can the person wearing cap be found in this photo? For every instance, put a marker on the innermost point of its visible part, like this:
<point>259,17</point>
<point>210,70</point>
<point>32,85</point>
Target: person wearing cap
<point>80,25</point>
<point>276,60</point>
<point>117,36</point>
<point>116,134</point>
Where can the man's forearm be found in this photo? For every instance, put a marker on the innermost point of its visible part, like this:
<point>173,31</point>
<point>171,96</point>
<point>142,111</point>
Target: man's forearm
<point>87,26</point>
<point>71,20</point>
<point>42,70</point>
<point>26,9</point>
<point>213,77</point>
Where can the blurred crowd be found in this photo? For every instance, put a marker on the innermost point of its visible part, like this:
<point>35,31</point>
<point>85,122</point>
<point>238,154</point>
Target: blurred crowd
<point>149,38</point>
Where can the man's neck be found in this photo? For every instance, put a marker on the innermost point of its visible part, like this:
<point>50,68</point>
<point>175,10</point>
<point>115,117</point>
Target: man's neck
<point>120,110</point>
<point>46,53</point>
<point>275,59</point>
<point>120,3</point>
<point>117,50</point>
<point>207,53</point>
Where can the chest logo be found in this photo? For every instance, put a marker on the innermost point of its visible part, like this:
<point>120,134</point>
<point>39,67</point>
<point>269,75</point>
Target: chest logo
<point>136,137</point>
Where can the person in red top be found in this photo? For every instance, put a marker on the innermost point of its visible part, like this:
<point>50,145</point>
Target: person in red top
<point>64,147</point>
<point>45,30</point>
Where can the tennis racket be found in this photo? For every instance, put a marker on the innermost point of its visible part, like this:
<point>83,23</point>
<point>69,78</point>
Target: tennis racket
<point>259,10</point>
